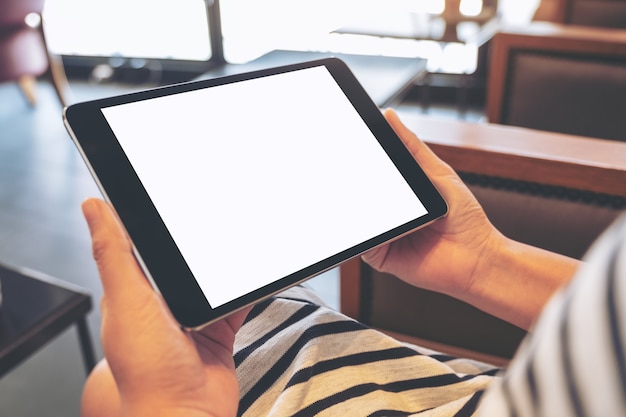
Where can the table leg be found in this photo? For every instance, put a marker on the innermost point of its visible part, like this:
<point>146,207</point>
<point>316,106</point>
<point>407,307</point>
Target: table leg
<point>86,345</point>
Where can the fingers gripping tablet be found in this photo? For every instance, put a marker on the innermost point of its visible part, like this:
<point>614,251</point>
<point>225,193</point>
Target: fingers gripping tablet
<point>233,189</point>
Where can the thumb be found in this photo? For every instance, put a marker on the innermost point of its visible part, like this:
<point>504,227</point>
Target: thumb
<point>422,153</point>
<point>119,271</point>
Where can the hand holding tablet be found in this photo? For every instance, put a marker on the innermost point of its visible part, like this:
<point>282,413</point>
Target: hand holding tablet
<point>234,189</point>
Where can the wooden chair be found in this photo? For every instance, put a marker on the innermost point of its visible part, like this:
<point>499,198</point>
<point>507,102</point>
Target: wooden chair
<point>24,55</point>
<point>560,78</point>
<point>551,190</point>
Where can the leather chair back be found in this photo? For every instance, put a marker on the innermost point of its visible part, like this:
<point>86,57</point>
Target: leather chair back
<point>559,78</point>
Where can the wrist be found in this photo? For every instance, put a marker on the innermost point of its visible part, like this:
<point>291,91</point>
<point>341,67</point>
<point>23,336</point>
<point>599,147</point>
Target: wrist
<point>497,254</point>
<point>514,280</point>
<point>474,267</point>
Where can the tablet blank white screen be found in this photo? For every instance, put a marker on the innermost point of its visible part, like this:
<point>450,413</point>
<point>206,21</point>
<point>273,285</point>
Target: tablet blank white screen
<point>259,179</point>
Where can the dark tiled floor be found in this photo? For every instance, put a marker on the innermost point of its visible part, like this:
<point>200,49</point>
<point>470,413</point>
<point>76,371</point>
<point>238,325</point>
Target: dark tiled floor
<point>42,183</point>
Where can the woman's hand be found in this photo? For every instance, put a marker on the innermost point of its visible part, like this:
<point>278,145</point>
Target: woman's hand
<point>152,366</point>
<point>443,256</point>
<point>463,255</point>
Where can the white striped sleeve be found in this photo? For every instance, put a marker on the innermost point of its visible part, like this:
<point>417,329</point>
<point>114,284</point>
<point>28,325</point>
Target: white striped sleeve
<point>574,361</point>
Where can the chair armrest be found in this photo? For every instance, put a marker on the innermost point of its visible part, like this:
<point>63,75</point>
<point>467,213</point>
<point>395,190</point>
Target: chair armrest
<point>556,159</point>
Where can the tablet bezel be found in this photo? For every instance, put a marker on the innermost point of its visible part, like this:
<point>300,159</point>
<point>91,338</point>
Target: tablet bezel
<point>154,247</point>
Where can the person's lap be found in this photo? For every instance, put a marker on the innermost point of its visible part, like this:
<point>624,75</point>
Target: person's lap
<point>296,355</point>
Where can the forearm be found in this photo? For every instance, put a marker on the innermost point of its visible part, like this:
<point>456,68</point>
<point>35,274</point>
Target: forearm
<point>515,280</point>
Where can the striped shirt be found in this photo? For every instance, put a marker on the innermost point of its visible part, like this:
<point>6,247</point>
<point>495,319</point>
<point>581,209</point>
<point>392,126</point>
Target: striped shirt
<point>297,357</point>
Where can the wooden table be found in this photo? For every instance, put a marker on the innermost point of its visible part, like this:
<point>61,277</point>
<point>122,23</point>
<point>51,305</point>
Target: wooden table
<point>36,309</point>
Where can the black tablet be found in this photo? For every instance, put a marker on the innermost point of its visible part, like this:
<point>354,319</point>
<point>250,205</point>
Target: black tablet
<point>234,189</point>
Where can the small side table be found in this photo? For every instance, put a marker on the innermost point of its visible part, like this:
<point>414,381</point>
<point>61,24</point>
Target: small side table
<point>35,309</point>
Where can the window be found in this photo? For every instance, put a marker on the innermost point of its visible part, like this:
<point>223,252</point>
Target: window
<point>161,29</point>
<point>133,33</point>
<point>251,28</point>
